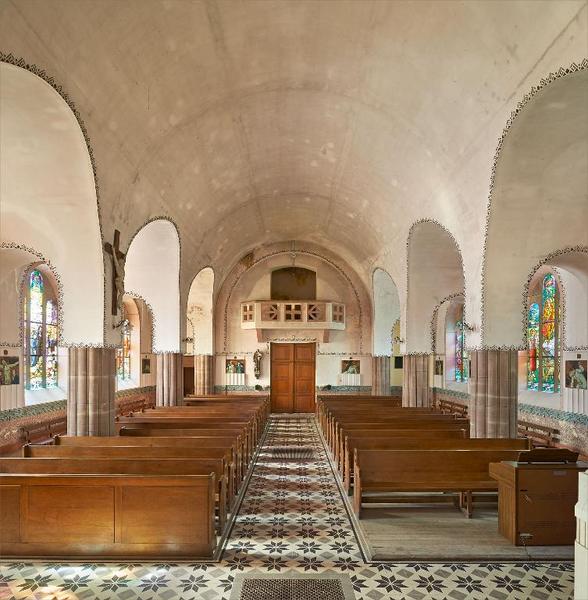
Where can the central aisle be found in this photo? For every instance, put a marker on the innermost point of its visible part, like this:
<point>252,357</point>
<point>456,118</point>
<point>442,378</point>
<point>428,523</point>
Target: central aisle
<point>292,523</point>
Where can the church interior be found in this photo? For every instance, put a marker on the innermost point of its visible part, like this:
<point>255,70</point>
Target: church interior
<point>293,299</point>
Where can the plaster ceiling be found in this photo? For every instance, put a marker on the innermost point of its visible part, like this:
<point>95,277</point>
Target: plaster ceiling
<point>339,123</point>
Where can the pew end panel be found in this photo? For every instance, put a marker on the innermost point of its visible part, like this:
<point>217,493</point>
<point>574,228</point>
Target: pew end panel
<point>111,516</point>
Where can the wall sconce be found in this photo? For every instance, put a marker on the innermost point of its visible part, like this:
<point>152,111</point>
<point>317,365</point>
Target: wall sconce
<point>468,326</point>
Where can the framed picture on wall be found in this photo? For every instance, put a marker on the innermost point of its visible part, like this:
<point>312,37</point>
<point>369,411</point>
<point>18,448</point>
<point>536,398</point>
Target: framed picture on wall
<point>438,367</point>
<point>398,362</point>
<point>145,366</point>
<point>9,370</point>
<point>351,367</point>
<point>235,365</point>
<point>576,374</point>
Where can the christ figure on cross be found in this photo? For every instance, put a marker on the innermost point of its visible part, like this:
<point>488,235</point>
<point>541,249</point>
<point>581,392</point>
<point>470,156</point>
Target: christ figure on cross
<point>118,272</point>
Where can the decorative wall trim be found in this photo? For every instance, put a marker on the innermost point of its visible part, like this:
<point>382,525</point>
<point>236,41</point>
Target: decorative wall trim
<point>221,389</point>
<point>453,393</point>
<point>554,413</point>
<point>12,414</point>
<point>550,78</point>
<point>133,391</point>
<point>335,389</point>
<point>463,273</point>
<point>9,58</point>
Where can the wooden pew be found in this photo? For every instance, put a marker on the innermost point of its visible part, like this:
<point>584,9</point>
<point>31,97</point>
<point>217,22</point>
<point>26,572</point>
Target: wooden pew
<point>405,471</point>
<point>152,452</point>
<point>231,442</point>
<point>452,408</point>
<point>540,435</point>
<point>422,423</point>
<point>126,465</point>
<point>102,516</point>
<point>448,441</point>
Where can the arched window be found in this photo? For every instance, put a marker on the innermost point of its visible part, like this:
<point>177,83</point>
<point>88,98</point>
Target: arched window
<point>123,355</point>
<point>543,338</point>
<point>40,333</point>
<point>461,354</point>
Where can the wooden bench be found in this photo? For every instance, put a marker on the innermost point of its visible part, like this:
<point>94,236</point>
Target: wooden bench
<point>421,442</point>
<point>452,408</point>
<point>406,471</point>
<point>540,435</point>
<point>129,466</point>
<point>92,516</point>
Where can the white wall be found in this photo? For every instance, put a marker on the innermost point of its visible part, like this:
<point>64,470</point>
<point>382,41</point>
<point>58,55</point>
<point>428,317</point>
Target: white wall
<point>386,311</point>
<point>200,313</point>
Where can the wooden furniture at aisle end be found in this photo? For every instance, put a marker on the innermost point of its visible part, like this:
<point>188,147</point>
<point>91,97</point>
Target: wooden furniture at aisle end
<point>536,497</point>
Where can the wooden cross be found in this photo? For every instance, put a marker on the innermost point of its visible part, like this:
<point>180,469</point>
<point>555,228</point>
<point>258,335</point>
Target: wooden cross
<point>118,271</point>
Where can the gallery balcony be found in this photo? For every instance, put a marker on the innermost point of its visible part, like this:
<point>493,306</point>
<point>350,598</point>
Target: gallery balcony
<point>319,316</point>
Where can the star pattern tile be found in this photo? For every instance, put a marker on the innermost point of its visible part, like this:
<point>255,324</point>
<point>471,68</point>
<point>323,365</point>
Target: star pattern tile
<point>292,520</point>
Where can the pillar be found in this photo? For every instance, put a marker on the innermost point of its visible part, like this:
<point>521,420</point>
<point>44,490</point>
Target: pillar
<point>91,388</point>
<point>581,545</point>
<point>170,379</point>
<point>203,374</point>
<point>415,385</point>
<point>380,376</point>
<point>493,389</point>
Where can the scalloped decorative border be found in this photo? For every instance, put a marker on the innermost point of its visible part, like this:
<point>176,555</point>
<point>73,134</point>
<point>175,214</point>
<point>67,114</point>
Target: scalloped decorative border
<point>543,82</point>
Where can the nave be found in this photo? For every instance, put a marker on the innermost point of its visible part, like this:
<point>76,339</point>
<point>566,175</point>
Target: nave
<point>294,524</point>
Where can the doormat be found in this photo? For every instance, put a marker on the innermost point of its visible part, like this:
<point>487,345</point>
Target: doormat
<point>292,453</point>
<point>291,589</point>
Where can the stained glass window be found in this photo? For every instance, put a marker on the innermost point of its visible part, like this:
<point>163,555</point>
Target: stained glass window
<point>41,334</point>
<point>542,334</point>
<point>123,356</point>
<point>461,355</point>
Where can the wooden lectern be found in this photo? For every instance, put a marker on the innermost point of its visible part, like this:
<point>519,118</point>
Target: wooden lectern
<point>536,497</point>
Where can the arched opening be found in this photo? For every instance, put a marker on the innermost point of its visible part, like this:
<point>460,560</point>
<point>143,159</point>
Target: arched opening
<point>152,273</point>
<point>386,311</point>
<point>49,199</point>
<point>199,315</point>
<point>435,273</point>
<point>539,204</point>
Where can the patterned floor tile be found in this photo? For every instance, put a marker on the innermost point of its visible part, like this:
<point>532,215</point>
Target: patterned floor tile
<point>292,520</point>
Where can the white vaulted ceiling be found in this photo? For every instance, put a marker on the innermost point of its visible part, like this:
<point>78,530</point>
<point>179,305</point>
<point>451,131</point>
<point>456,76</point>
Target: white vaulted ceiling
<point>339,123</point>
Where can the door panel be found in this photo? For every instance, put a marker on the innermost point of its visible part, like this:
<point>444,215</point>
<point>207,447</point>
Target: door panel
<point>293,377</point>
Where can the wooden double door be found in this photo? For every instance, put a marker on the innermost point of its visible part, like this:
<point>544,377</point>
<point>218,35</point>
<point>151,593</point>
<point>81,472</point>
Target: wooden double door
<point>293,377</point>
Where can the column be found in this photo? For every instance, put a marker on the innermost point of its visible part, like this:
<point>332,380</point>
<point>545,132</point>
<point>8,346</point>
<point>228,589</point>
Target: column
<point>415,386</point>
<point>581,545</point>
<point>493,389</point>
<point>380,376</point>
<point>90,394</point>
<point>170,379</point>
<point>203,374</point>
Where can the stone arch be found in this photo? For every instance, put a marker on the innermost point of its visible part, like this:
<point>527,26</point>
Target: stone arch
<point>539,180</point>
<point>434,273</point>
<point>386,311</point>
<point>152,271</point>
<point>47,170</point>
<point>199,313</point>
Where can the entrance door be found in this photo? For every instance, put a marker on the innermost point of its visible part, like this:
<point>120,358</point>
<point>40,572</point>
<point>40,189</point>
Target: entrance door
<point>292,377</point>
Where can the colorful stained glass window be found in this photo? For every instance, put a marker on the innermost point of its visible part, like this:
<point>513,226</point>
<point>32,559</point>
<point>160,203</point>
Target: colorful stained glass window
<point>123,356</point>
<point>41,327</point>
<point>542,335</point>
<point>461,355</point>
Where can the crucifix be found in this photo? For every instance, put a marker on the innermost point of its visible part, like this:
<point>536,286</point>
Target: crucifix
<point>118,272</point>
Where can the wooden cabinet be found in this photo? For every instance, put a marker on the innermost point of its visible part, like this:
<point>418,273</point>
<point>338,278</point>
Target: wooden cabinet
<point>536,501</point>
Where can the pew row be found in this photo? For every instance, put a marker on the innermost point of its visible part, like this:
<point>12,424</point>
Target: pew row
<point>441,471</point>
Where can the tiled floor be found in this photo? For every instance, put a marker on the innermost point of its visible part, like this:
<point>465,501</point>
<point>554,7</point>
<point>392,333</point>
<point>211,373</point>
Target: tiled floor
<point>292,520</point>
